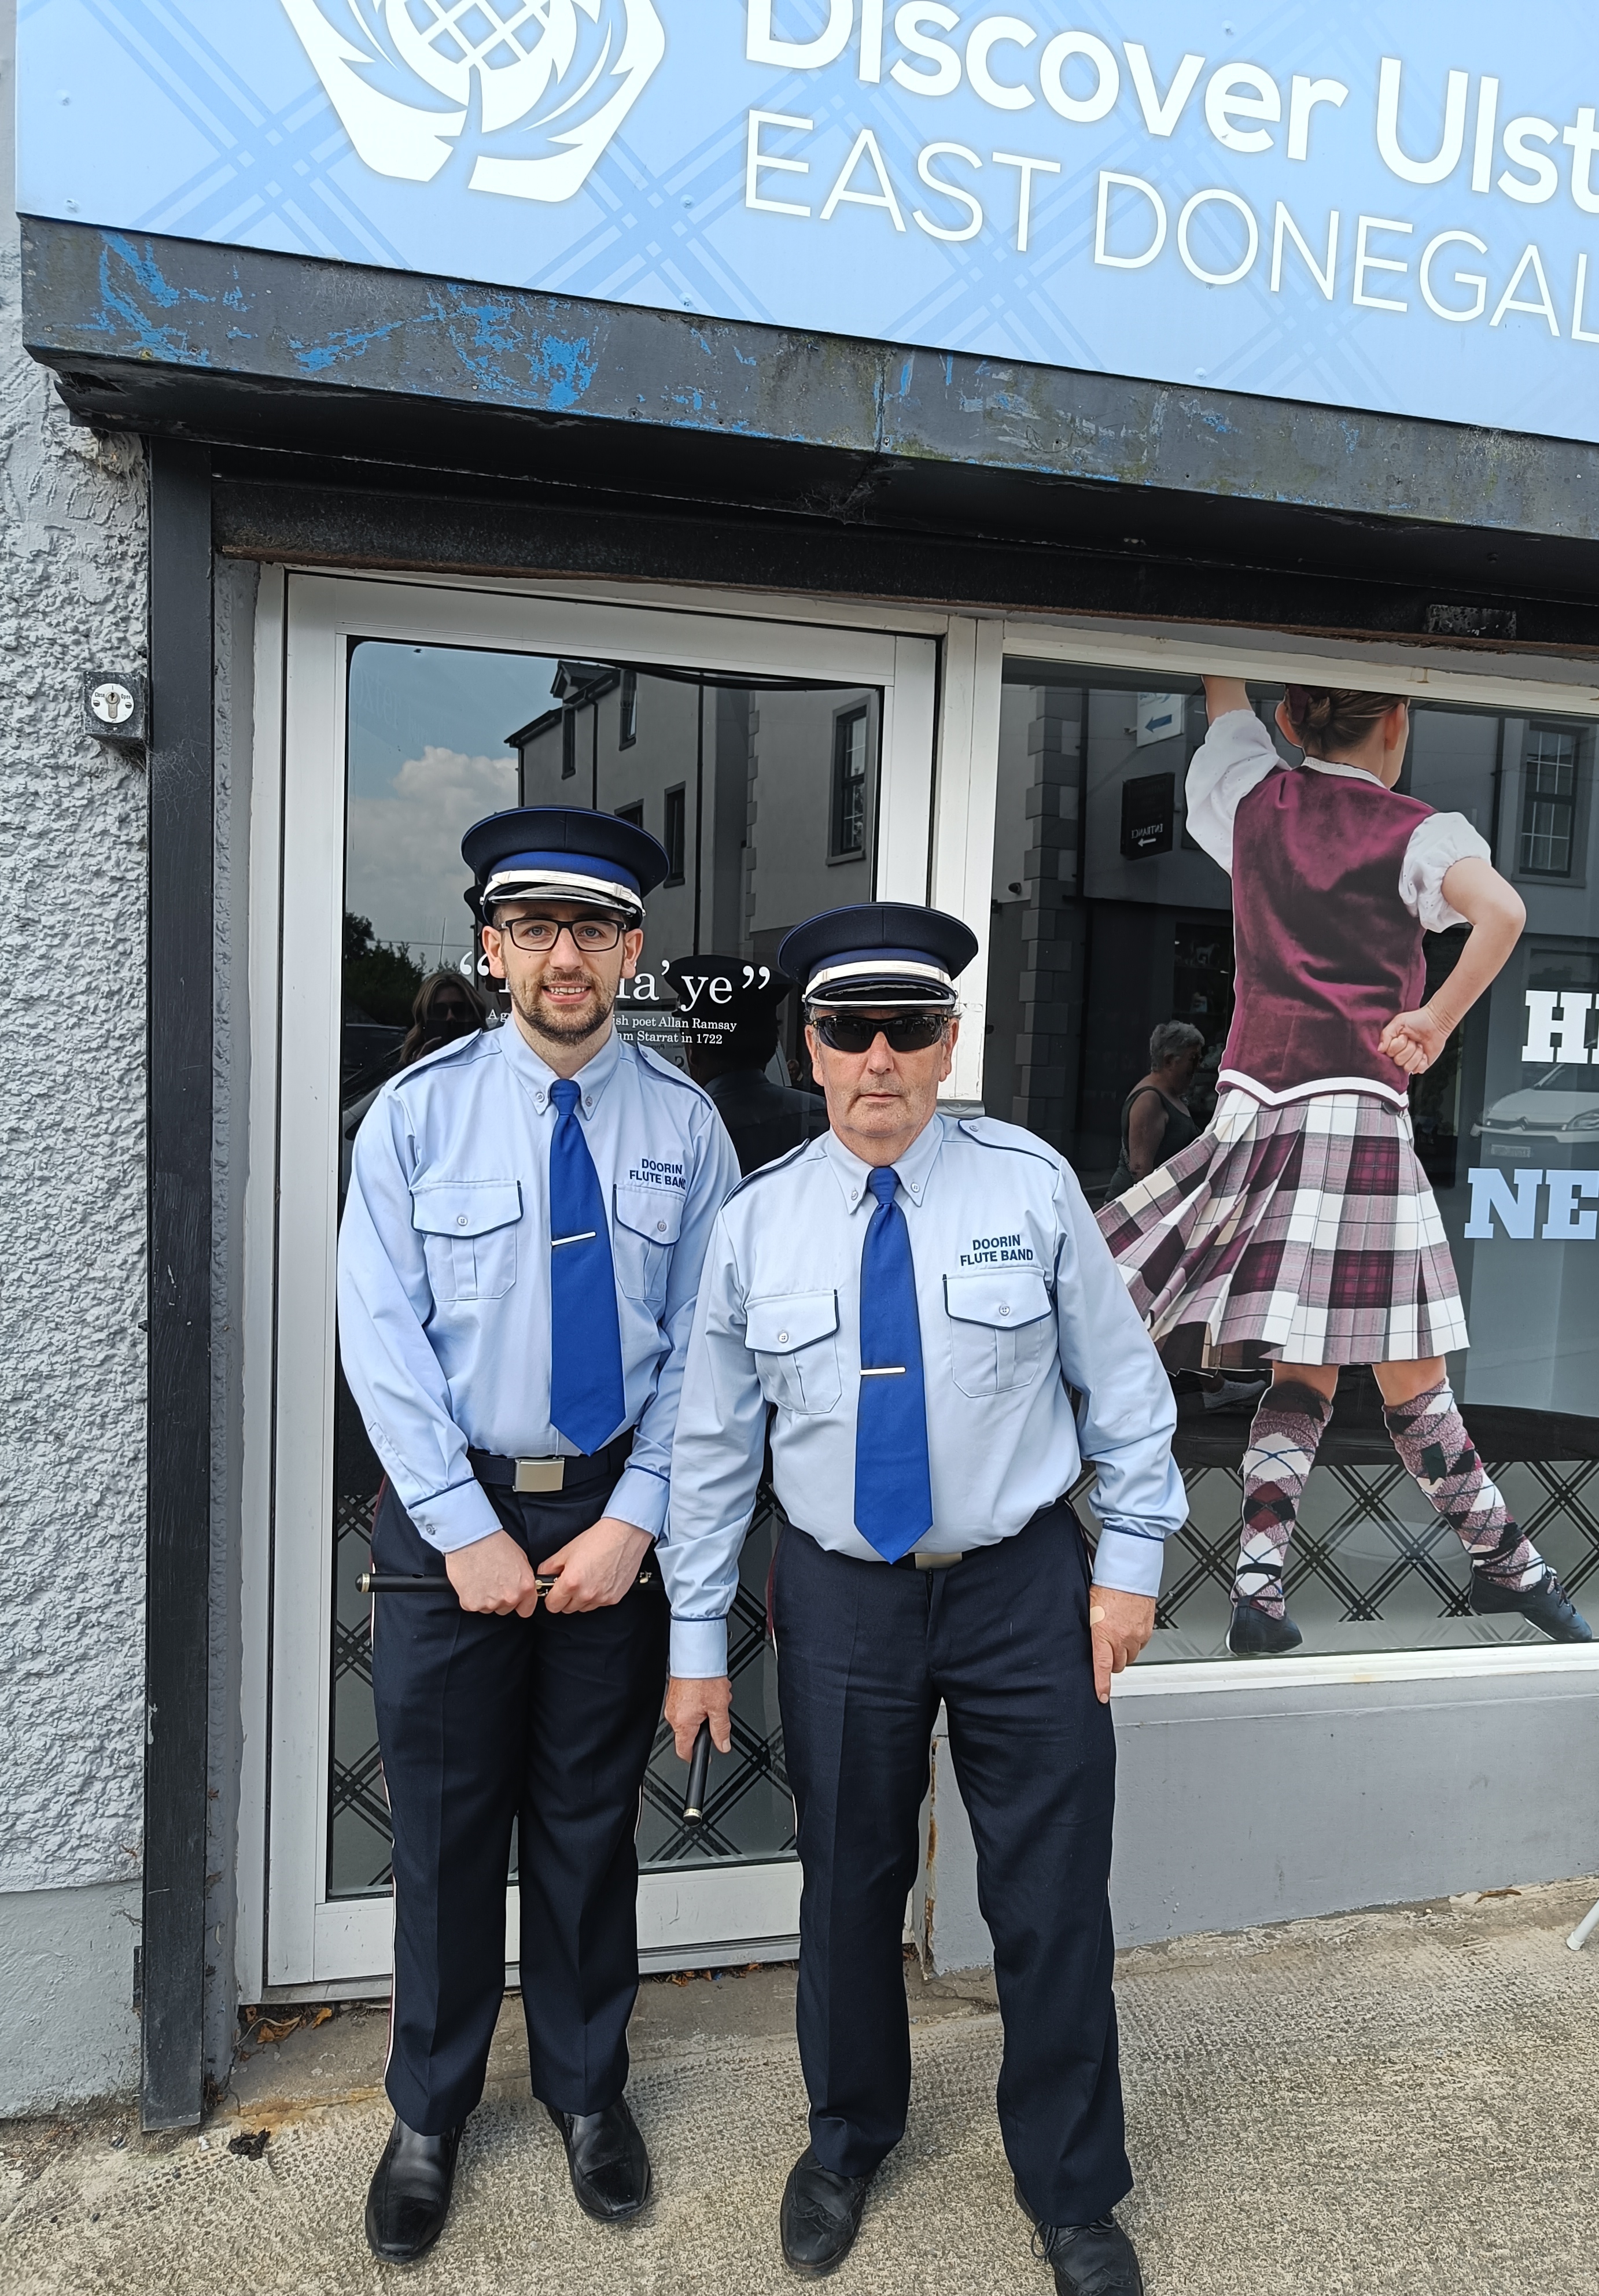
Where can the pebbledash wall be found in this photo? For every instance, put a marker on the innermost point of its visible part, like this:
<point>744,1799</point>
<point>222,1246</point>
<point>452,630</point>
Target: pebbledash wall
<point>72,904</point>
<point>397,420</point>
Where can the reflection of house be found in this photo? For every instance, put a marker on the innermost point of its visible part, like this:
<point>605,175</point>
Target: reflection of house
<point>725,776</point>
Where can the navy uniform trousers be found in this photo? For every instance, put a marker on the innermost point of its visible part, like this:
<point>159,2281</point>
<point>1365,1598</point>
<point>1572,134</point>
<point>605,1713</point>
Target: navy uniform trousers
<point>865,1653</point>
<point>547,1721</point>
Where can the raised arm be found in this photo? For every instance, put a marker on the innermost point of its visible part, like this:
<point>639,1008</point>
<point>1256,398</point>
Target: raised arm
<point>1497,914</point>
<point>1223,695</point>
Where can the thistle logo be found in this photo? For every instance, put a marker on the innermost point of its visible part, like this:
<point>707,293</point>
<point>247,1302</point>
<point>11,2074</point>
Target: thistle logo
<point>528,92</point>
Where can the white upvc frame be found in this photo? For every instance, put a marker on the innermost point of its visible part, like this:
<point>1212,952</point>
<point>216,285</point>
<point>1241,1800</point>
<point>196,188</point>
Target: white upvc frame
<point>292,1937</point>
<point>935,841</point>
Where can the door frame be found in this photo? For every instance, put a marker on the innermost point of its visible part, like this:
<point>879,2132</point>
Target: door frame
<point>294,1940</point>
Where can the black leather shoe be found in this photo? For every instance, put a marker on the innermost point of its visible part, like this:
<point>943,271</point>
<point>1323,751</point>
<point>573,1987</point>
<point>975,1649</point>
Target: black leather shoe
<point>610,2167</point>
<point>409,2198</point>
<point>1256,1633</point>
<point>1096,2259</point>
<point>821,2215</point>
<point>1547,1606</point>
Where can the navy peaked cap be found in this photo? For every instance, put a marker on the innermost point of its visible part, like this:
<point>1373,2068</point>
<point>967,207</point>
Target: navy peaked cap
<point>567,851</point>
<point>880,952</point>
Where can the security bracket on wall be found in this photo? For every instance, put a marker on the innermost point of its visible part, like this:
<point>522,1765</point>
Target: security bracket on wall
<point>115,707</point>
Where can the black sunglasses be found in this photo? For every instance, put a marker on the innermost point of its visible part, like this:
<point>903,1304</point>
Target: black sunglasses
<point>904,1032</point>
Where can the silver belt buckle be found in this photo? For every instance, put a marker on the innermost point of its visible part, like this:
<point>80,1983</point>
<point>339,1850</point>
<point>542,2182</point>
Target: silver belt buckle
<point>539,1475</point>
<point>937,1562</point>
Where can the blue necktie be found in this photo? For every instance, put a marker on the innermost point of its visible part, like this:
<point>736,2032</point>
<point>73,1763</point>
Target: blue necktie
<point>588,1400</point>
<point>894,1487</point>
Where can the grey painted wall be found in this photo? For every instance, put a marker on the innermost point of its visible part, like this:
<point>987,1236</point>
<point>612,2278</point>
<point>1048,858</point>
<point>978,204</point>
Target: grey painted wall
<point>1276,1797</point>
<point>72,597</point>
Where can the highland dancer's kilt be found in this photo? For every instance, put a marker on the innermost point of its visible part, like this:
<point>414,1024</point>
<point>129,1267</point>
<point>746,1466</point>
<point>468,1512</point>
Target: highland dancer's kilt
<point>1310,1230</point>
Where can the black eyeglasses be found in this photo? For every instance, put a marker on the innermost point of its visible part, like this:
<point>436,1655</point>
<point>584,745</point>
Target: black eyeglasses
<point>591,935</point>
<point>904,1032</point>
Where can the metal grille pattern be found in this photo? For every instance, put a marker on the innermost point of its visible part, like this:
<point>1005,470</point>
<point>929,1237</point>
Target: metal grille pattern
<point>749,1814</point>
<point>1372,1567</point>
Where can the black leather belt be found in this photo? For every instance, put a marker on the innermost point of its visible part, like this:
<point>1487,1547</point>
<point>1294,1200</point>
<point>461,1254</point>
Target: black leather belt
<point>540,1477</point>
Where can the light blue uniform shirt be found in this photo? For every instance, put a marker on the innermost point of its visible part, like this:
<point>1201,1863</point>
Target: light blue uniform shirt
<point>444,1264</point>
<point>1018,1298</point>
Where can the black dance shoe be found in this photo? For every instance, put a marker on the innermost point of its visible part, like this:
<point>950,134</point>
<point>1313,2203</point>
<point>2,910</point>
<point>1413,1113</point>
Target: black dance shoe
<point>821,2215</point>
<point>1096,2259</point>
<point>1256,1633</point>
<point>409,2198</point>
<point>1546,1605</point>
<point>610,2167</point>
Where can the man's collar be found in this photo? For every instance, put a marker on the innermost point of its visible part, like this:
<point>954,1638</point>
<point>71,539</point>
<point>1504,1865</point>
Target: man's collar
<point>854,1177</point>
<point>536,1074</point>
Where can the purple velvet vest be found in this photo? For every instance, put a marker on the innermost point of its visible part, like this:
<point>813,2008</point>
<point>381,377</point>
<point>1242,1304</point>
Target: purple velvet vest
<point>1327,951</point>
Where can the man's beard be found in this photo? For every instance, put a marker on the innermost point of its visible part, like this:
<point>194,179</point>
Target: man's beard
<point>546,1021</point>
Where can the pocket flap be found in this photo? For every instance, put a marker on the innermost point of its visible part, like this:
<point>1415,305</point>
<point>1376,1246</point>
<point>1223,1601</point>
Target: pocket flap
<point>465,1207</point>
<point>1005,1297</point>
<point>776,1327</point>
<point>656,1213</point>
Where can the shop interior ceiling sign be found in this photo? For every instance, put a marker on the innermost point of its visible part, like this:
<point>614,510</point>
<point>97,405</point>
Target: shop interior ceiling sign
<point>1390,207</point>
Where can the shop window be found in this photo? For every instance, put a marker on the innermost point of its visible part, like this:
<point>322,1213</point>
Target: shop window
<point>1548,802</point>
<point>1107,920</point>
<point>677,817</point>
<point>741,780</point>
<point>627,731</point>
<point>848,835</point>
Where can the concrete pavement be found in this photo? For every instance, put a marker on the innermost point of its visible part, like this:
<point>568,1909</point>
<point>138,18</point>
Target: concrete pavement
<point>1399,2101</point>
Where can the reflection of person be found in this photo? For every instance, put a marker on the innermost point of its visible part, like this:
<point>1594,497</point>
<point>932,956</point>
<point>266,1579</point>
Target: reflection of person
<point>518,1265</point>
<point>1301,1220</point>
<point>1155,1122</point>
<point>914,1296</point>
<point>764,1119</point>
<point>446,1007</point>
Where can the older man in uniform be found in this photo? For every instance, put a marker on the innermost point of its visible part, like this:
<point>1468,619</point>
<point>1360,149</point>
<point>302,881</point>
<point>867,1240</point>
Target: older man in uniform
<point>927,1308</point>
<point>527,1217</point>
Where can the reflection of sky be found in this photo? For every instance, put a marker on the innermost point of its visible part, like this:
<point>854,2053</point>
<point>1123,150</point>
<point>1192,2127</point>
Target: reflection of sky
<point>428,758</point>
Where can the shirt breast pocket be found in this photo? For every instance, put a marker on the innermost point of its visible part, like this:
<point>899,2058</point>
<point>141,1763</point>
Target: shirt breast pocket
<point>468,1230</point>
<point>795,1342</point>
<point>647,1225</point>
<point>1002,1328</point>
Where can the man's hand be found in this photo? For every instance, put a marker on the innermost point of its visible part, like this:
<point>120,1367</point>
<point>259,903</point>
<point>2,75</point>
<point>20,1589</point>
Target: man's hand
<point>1120,1625</point>
<point>596,1567</point>
<point>493,1575</point>
<point>690,1701</point>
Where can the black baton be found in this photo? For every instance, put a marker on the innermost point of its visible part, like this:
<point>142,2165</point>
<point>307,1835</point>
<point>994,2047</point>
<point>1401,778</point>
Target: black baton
<point>699,1770</point>
<point>387,1582</point>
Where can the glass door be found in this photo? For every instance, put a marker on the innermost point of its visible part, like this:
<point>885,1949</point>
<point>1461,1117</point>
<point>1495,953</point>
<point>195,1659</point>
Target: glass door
<point>786,768</point>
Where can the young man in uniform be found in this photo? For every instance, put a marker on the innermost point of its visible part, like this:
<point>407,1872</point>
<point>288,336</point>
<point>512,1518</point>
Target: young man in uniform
<point>521,1244</point>
<point>925,1306</point>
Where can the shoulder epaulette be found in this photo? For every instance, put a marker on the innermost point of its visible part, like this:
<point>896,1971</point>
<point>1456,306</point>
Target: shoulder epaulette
<point>463,1049</point>
<point>765,1171</point>
<point>1017,1141</point>
<point>657,1066</point>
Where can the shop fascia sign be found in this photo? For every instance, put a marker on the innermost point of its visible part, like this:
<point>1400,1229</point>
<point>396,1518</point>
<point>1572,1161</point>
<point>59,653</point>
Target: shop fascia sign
<point>1390,209</point>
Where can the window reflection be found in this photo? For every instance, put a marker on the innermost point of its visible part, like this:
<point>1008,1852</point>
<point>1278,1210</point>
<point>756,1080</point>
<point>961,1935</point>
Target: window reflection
<point>1107,925</point>
<point>741,783</point>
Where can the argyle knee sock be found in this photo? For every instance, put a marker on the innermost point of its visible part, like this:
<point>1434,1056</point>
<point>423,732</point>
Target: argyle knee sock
<point>1431,1438</point>
<point>1290,1421</point>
